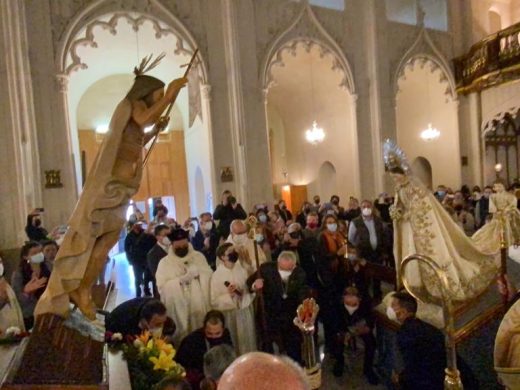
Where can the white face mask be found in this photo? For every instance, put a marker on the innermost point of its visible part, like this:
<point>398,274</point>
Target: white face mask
<point>390,313</point>
<point>284,274</point>
<point>240,239</point>
<point>351,309</point>
<point>166,241</point>
<point>332,227</point>
<point>191,232</point>
<point>37,258</point>
<point>367,212</point>
<point>156,332</point>
<point>259,237</point>
<point>1,269</point>
<point>208,225</point>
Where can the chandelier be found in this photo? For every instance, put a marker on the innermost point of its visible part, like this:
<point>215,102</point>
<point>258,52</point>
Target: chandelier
<point>430,133</point>
<point>315,135</point>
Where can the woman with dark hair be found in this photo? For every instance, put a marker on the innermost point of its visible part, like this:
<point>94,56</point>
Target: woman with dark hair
<point>34,229</point>
<point>30,279</point>
<point>332,275</point>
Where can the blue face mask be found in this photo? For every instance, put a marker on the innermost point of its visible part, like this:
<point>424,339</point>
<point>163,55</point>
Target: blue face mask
<point>441,193</point>
<point>262,218</point>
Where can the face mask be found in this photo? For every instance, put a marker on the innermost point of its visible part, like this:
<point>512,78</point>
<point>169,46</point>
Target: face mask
<point>263,218</point>
<point>284,274</point>
<point>330,212</point>
<point>294,235</point>
<point>181,251</point>
<point>332,227</point>
<point>335,202</point>
<point>366,212</point>
<point>1,270</point>
<point>390,313</point>
<point>37,258</point>
<point>192,232</point>
<point>312,225</point>
<point>214,342</point>
<point>233,257</point>
<point>208,225</point>
<point>166,241</point>
<point>307,210</point>
<point>441,193</point>
<point>156,332</point>
<point>352,257</point>
<point>351,309</point>
<point>37,222</point>
<point>259,237</point>
<point>240,239</point>
<point>316,201</point>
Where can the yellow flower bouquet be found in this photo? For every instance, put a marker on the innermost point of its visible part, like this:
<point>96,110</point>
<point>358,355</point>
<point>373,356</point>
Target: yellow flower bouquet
<point>150,360</point>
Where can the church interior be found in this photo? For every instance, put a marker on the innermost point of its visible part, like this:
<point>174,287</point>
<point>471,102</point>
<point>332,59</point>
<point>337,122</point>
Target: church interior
<point>192,186</point>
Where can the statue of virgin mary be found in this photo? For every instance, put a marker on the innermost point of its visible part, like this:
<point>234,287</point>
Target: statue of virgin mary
<point>422,226</point>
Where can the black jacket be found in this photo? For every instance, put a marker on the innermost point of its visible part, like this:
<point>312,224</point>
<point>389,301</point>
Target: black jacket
<point>364,314</point>
<point>193,347</point>
<point>277,308</point>
<point>198,245</point>
<point>225,215</point>
<point>153,257</point>
<point>424,356</point>
<point>125,319</point>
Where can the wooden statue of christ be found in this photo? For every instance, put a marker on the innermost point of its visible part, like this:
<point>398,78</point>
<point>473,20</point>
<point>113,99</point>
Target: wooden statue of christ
<point>99,216</point>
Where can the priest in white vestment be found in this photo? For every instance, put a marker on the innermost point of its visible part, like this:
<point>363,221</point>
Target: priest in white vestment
<point>247,248</point>
<point>230,295</point>
<point>183,282</point>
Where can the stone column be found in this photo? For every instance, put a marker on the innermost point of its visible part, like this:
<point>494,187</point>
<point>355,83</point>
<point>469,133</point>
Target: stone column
<point>206,117</point>
<point>235,97</point>
<point>20,189</point>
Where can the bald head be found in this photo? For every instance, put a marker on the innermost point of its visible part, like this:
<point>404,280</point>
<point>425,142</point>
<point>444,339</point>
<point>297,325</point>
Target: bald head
<point>261,371</point>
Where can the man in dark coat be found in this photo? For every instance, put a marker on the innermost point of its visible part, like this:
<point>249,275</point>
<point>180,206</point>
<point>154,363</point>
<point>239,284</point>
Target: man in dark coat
<point>422,349</point>
<point>139,314</point>
<point>283,288</point>
<point>158,251</point>
<point>206,239</point>
<point>193,347</point>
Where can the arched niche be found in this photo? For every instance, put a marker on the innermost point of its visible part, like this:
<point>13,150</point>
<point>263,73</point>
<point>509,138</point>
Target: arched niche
<point>422,169</point>
<point>424,97</point>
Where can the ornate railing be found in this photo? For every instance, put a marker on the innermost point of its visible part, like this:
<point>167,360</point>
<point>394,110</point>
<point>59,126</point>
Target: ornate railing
<point>492,61</point>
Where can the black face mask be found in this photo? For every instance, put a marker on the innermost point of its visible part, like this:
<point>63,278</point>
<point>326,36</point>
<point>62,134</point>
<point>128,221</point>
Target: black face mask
<point>335,202</point>
<point>233,257</point>
<point>295,235</point>
<point>37,222</point>
<point>317,201</point>
<point>216,341</point>
<point>181,251</point>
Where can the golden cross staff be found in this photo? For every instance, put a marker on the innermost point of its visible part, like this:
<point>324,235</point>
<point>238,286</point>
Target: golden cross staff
<point>165,118</point>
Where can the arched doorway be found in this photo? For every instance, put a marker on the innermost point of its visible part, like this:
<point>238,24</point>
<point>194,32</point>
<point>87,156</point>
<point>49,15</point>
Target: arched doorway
<point>425,103</point>
<point>422,169</point>
<point>122,37</point>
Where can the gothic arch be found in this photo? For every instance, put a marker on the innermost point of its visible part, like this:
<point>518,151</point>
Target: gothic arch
<point>67,59</point>
<point>423,49</point>
<point>307,30</point>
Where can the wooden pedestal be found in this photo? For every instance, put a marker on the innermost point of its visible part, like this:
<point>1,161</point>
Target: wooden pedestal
<point>57,357</point>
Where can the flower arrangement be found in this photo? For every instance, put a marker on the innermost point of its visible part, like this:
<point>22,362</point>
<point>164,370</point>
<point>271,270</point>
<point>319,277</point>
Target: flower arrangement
<point>149,359</point>
<point>12,334</point>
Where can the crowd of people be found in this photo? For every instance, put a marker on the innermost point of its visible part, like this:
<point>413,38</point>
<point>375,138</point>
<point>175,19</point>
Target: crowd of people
<point>233,280</point>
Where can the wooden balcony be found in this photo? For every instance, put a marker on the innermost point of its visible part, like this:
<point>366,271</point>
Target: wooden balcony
<point>493,61</point>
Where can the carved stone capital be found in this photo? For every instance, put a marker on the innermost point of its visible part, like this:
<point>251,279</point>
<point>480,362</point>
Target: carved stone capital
<point>62,81</point>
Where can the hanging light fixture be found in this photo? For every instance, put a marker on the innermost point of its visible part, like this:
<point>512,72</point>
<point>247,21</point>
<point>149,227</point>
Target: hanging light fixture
<point>315,135</point>
<point>430,133</point>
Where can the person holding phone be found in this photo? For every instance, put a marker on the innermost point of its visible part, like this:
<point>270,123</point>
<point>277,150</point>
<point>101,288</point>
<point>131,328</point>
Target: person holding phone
<point>34,229</point>
<point>227,211</point>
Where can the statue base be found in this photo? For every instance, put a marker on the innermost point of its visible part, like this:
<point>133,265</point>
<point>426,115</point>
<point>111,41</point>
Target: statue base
<point>58,356</point>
